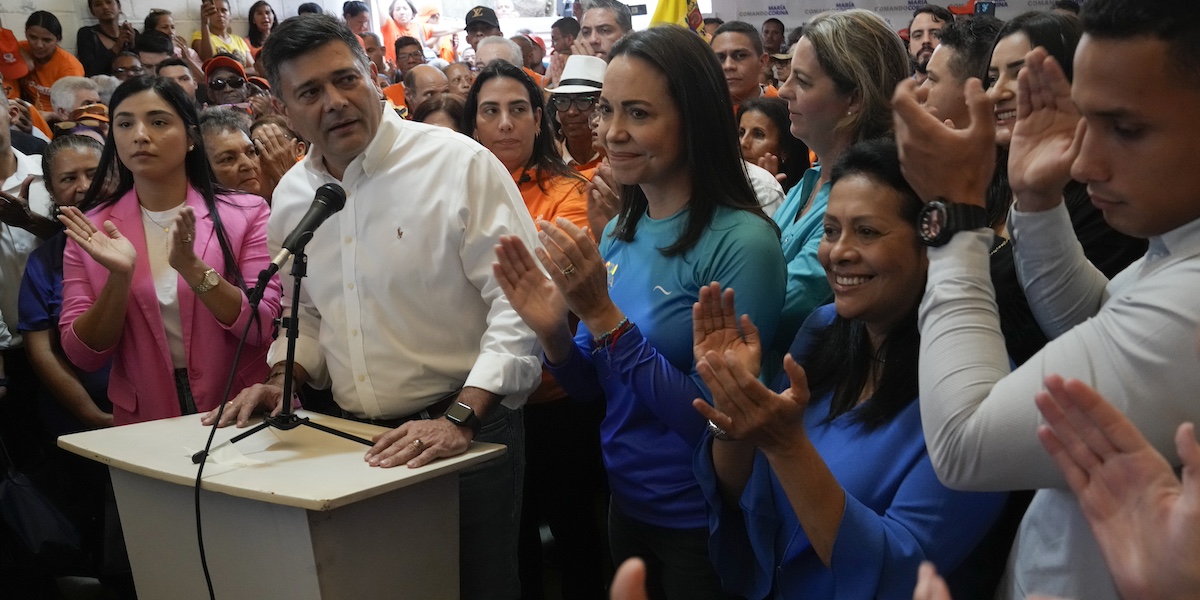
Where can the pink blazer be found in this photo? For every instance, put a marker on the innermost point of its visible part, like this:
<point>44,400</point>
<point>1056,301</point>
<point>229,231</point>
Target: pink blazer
<point>142,383</point>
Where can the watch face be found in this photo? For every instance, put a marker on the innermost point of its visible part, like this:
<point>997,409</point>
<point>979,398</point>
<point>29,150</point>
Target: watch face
<point>459,412</point>
<point>933,220</point>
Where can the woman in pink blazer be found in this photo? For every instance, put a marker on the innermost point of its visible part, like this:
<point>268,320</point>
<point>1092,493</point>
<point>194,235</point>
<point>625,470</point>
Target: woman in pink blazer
<point>160,286</point>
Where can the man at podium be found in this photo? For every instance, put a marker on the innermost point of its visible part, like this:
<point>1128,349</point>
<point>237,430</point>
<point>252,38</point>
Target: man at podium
<point>400,313</point>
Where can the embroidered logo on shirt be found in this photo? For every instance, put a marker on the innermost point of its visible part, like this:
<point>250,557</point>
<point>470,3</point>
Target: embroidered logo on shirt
<point>611,268</point>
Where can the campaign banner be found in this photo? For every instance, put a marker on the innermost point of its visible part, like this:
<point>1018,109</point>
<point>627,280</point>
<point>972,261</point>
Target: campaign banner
<point>897,13</point>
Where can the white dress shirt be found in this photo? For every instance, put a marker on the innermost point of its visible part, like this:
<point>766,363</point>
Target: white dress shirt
<point>400,306</point>
<point>1133,339</point>
<point>16,244</point>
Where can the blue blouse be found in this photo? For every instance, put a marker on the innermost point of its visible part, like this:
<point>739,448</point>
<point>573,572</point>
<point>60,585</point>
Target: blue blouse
<point>897,513</point>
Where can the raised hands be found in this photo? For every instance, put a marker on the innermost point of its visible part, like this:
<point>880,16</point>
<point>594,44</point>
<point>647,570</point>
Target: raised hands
<point>1146,521</point>
<point>276,154</point>
<point>715,329</point>
<point>182,252</point>
<point>533,295</point>
<point>748,410</point>
<point>603,199</point>
<point>108,247</point>
<point>939,160</point>
<point>1047,135</point>
<point>575,266</point>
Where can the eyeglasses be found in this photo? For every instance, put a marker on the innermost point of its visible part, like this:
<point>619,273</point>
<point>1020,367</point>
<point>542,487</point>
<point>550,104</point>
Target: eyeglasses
<point>219,83</point>
<point>582,103</point>
<point>411,56</point>
<point>119,71</point>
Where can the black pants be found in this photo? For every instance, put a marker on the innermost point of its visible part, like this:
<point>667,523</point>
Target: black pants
<point>677,564</point>
<point>565,488</point>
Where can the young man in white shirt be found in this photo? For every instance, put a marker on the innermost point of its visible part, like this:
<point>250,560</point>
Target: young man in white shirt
<point>1131,338</point>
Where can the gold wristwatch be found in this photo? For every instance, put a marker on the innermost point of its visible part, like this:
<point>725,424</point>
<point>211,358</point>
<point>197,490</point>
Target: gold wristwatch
<point>210,281</point>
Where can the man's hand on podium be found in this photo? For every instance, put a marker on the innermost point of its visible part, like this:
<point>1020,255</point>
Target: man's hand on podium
<point>260,397</point>
<point>417,443</point>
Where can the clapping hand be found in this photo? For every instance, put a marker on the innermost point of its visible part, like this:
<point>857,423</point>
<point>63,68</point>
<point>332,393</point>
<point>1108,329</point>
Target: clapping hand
<point>1145,520</point>
<point>1047,135</point>
<point>938,160</point>
<point>603,198</point>
<point>182,253</point>
<point>109,248</point>
<point>533,295</point>
<point>715,329</point>
<point>748,410</point>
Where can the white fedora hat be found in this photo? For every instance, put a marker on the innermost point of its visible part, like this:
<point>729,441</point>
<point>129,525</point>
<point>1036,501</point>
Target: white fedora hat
<point>580,75</point>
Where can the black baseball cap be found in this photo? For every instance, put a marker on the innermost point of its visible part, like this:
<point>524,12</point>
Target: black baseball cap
<point>482,14</point>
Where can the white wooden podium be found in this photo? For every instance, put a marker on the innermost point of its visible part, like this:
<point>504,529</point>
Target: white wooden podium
<point>287,514</point>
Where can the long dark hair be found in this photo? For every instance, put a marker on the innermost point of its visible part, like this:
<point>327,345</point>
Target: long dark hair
<point>545,157</point>
<point>254,36</point>
<point>775,109</point>
<point>1058,34</point>
<point>697,87</point>
<point>45,20</point>
<point>199,173</point>
<point>842,359</point>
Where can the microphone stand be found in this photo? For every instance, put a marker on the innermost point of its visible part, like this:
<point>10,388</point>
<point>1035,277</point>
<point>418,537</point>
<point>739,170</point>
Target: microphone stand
<point>286,419</point>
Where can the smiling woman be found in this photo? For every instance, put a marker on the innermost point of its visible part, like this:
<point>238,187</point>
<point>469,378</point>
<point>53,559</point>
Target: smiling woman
<point>164,223</point>
<point>687,217</point>
<point>785,463</point>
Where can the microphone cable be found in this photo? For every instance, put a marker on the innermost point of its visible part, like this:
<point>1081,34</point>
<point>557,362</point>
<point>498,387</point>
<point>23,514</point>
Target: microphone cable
<point>237,355</point>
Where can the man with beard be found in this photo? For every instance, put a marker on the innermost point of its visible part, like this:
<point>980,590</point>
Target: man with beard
<point>603,23</point>
<point>924,32</point>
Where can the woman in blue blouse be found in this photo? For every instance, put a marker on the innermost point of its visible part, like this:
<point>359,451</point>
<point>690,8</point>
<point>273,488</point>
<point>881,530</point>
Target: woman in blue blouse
<point>823,487</point>
<point>688,217</point>
<point>839,92</point>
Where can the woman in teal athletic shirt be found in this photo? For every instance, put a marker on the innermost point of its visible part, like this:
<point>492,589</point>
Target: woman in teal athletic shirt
<point>688,217</point>
<point>839,92</point>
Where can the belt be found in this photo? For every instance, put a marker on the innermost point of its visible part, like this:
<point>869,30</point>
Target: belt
<point>433,411</point>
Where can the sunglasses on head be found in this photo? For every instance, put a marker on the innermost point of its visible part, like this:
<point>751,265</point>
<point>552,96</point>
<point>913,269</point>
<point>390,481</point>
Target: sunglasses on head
<point>219,83</point>
<point>68,126</point>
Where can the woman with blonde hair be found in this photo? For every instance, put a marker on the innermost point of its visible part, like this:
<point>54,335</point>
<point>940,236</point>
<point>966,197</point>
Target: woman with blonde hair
<point>839,90</point>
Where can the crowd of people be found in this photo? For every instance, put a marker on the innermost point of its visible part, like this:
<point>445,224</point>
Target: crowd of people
<point>936,284</point>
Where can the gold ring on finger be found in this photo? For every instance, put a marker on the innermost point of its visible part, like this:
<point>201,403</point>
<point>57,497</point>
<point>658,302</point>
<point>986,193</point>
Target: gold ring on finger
<point>569,271</point>
<point>417,443</point>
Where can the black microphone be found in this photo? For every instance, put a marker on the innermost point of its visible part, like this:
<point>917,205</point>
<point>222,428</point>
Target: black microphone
<point>329,199</point>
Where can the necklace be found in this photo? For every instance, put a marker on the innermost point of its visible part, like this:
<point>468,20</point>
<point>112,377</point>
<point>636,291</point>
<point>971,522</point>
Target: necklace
<point>165,228</point>
<point>997,248</point>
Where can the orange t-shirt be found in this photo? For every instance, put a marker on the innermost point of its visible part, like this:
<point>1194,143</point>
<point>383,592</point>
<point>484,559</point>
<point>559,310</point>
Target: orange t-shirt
<point>392,31</point>
<point>564,197</point>
<point>395,93</point>
<point>35,87</point>
<point>534,75</point>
